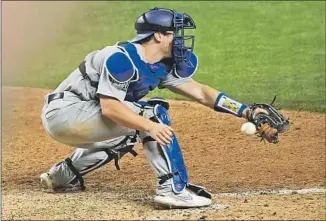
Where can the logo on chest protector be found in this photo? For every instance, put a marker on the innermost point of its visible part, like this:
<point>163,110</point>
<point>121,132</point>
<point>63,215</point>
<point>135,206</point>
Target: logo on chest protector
<point>119,85</point>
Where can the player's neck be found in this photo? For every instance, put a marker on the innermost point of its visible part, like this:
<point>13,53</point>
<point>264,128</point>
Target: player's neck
<point>151,54</point>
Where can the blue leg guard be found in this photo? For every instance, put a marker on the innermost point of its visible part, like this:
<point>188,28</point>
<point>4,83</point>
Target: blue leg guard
<point>173,155</point>
<point>174,167</point>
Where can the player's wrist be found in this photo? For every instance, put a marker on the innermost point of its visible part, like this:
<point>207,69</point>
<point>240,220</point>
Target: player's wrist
<point>244,113</point>
<point>226,104</point>
<point>148,125</point>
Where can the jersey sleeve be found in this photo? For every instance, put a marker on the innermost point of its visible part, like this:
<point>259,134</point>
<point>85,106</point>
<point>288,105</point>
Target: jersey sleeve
<point>117,72</point>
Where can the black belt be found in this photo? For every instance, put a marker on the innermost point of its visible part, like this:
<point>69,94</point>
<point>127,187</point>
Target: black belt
<point>82,69</point>
<point>55,96</point>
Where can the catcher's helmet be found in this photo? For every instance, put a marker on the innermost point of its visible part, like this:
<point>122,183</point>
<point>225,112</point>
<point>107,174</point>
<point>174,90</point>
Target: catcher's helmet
<point>162,20</point>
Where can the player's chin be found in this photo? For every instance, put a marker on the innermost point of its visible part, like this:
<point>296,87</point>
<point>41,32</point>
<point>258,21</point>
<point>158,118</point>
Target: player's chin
<point>169,54</point>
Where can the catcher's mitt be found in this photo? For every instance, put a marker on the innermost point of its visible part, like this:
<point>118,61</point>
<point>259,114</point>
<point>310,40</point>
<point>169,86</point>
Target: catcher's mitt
<point>268,125</point>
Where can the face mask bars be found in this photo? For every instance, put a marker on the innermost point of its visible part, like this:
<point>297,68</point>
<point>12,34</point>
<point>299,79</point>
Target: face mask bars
<point>181,47</point>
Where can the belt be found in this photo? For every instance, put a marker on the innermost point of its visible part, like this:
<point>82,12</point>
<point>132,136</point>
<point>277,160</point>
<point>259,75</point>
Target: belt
<point>82,69</point>
<point>55,96</point>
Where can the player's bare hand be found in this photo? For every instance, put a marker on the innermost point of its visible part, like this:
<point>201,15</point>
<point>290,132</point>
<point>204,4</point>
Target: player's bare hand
<point>161,133</point>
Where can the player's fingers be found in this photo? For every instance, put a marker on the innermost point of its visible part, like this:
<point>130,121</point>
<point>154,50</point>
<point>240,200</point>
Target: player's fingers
<point>167,135</point>
<point>260,110</point>
<point>168,131</point>
<point>160,141</point>
<point>163,139</point>
<point>170,128</point>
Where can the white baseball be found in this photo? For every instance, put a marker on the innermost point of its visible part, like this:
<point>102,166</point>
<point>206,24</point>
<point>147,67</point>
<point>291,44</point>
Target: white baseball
<point>248,128</point>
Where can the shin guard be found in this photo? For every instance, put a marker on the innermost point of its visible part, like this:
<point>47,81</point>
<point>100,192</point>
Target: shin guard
<point>172,152</point>
<point>167,161</point>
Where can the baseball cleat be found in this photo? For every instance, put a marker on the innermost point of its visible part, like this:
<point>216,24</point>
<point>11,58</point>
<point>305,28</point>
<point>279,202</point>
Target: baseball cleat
<point>184,199</point>
<point>48,182</point>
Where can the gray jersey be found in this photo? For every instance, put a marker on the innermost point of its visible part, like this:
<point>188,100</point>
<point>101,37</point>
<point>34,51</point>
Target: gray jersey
<point>97,72</point>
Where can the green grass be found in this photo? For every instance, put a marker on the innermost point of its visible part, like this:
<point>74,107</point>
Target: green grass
<point>249,50</point>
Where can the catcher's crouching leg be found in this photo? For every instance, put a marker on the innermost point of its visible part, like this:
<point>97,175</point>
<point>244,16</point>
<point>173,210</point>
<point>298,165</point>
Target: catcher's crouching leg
<point>67,176</point>
<point>173,187</point>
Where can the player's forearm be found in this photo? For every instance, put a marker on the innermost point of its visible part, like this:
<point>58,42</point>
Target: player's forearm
<point>122,115</point>
<point>211,97</point>
<point>216,100</point>
<point>201,93</point>
<point>208,96</point>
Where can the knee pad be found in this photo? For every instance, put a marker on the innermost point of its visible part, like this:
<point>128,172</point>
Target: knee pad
<point>158,100</point>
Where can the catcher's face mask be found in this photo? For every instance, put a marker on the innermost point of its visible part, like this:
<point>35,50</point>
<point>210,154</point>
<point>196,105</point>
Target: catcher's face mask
<point>163,20</point>
<point>183,45</point>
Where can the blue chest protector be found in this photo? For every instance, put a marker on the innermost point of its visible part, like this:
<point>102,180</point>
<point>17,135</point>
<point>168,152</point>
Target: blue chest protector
<point>149,75</point>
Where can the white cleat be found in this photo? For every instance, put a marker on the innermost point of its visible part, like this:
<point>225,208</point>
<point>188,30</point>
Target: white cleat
<point>47,181</point>
<point>184,199</point>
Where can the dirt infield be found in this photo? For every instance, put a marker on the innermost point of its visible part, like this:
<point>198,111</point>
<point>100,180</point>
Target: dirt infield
<point>218,157</point>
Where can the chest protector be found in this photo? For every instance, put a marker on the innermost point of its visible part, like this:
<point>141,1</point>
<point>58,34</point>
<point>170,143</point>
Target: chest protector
<point>149,75</point>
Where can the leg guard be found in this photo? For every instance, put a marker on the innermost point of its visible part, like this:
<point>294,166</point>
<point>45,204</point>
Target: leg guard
<point>167,161</point>
<point>175,168</point>
<point>83,161</point>
<point>158,100</point>
<point>172,152</point>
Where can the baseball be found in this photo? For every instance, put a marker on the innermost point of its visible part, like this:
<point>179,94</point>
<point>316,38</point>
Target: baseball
<point>248,128</point>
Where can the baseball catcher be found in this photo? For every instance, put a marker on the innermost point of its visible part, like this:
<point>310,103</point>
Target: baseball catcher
<point>98,108</point>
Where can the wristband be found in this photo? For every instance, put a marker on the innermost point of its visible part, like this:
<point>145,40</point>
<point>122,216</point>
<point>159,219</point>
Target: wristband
<point>226,104</point>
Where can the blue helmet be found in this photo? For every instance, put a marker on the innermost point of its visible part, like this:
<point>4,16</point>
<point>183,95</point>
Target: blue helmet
<point>162,20</point>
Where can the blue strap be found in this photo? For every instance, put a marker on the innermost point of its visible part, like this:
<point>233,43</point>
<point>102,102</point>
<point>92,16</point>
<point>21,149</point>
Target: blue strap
<point>226,104</point>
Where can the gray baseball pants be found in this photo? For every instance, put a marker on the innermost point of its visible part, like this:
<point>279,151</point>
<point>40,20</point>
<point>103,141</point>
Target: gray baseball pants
<point>81,124</point>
